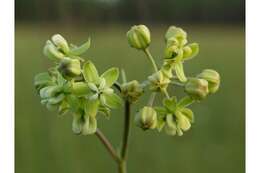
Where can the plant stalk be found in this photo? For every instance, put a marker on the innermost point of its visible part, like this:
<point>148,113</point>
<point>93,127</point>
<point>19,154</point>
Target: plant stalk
<point>150,57</point>
<point>126,134</point>
<point>108,146</point>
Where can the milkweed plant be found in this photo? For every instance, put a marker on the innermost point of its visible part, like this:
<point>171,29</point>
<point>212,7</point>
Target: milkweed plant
<point>75,85</point>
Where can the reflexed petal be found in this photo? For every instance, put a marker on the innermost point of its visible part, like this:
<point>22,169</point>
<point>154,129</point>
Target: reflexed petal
<point>89,126</point>
<point>91,107</point>
<point>180,72</point>
<point>77,123</point>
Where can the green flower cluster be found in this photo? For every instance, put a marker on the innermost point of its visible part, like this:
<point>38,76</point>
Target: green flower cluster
<point>74,85</point>
<point>173,115</point>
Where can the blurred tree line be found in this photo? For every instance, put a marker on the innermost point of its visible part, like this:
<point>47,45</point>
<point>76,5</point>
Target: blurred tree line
<point>156,11</point>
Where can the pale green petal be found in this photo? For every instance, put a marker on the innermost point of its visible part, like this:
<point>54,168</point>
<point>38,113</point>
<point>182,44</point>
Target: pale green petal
<point>112,100</point>
<point>185,101</point>
<point>111,76</point>
<point>90,72</point>
<point>182,121</point>
<point>180,72</point>
<point>89,126</point>
<point>77,123</point>
<point>91,107</point>
<point>81,49</point>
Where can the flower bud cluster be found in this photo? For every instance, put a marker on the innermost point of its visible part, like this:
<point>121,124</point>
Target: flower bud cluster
<point>173,116</point>
<point>76,86</point>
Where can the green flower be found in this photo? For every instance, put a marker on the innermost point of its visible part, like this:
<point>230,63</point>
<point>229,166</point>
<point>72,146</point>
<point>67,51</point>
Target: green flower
<point>158,81</point>
<point>177,33</point>
<point>213,79</point>
<point>100,86</point>
<point>197,88</point>
<point>132,91</point>
<point>177,51</point>
<point>146,118</point>
<point>69,68</point>
<point>174,117</point>
<point>58,48</point>
<point>100,97</point>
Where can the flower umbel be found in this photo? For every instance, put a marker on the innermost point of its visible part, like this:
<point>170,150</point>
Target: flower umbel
<point>73,85</point>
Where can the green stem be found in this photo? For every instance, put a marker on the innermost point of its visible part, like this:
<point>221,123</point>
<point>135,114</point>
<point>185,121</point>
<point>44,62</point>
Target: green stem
<point>122,167</point>
<point>166,93</point>
<point>151,99</point>
<point>150,57</point>
<point>126,134</point>
<point>177,83</point>
<point>108,145</point>
<point>123,75</point>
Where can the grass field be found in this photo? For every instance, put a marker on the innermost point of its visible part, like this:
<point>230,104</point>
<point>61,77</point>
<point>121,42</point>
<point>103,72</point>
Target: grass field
<point>44,143</point>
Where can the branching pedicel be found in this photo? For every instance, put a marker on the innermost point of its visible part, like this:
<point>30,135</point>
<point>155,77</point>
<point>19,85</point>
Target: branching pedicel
<point>74,85</point>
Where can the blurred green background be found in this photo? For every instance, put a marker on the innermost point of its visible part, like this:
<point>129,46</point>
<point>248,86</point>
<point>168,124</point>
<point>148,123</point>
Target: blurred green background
<point>45,142</point>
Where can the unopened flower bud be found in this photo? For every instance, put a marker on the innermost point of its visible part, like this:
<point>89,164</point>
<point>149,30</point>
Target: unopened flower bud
<point>177,33</point>
<point>139,37</point>
<point>187,51</point>
<point>69,67</point>
<point>158,81</point>
<point>171,51</point>
<point>132,90</point>
<point>197,88</point>
<point>146,118</point>
<point>213,79</point>
<point>61,43</point>
<point>52,52</point>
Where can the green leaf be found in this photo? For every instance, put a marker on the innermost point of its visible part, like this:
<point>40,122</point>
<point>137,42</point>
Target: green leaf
<point>170,104</point>
<point>110,76</point>
<point>91,107</point>
<point>77,123</point>
<point>160,110</point>
<point>90,72</point>
<point>180,72</point>
<point>160,121</point>
<point>185,101</point>
<point>81,49</point>
<point>111,100</point>
<point>89,126</point>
